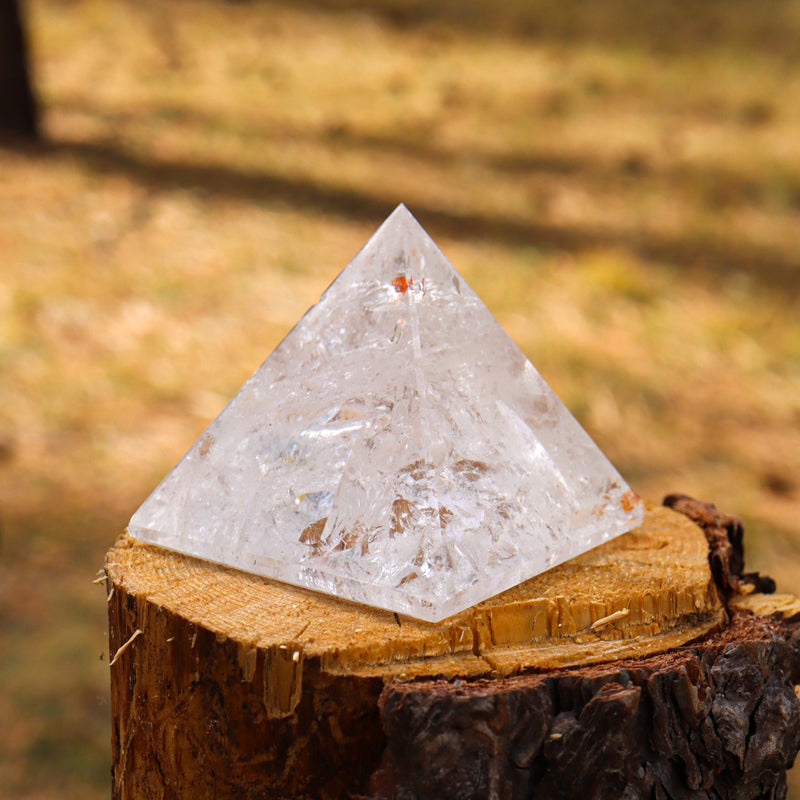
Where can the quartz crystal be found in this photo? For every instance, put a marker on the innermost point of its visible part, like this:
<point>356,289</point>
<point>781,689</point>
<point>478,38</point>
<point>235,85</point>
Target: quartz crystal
<point>396,449</point>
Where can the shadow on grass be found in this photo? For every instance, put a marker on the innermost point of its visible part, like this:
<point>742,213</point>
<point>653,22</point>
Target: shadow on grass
<point>711,256</point>
<point>729,186</point>
<point>54,682</point>
<point>771,28</point>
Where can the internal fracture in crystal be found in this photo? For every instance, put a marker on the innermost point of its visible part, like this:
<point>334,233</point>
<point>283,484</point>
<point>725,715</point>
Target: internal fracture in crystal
<point>396,449</point>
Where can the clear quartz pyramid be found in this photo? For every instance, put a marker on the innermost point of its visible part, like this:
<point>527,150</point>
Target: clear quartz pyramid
<point>396,448</point>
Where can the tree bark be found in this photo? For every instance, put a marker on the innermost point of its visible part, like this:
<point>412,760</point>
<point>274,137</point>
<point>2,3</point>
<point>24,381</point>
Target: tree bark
<point>18,110</point>
<point>625,673</point>
<point>716,719</point>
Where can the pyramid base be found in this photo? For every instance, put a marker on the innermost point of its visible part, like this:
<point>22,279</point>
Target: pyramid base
<point>227,685</point>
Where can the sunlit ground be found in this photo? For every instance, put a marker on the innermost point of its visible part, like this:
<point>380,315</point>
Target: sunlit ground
<point>623,194</point>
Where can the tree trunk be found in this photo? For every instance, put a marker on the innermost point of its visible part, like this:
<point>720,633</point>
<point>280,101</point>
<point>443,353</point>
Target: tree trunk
<point>625,673</point>
<point>18,112</point>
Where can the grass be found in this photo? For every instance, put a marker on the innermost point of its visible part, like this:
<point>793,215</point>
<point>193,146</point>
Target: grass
<point>623,190</point>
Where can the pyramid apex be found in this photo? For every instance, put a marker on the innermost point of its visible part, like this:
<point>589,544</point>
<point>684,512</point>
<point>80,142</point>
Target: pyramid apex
<point>401,216</point>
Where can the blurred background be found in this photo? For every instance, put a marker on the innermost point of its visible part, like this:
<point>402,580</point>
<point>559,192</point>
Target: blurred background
<point>619,182</point>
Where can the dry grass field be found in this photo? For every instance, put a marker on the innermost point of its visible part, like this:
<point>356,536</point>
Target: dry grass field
<point>621,186</point>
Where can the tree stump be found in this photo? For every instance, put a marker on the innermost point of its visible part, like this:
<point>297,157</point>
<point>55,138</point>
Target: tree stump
<point>629,672</point>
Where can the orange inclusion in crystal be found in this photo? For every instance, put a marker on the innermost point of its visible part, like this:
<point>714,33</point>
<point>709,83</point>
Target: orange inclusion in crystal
<point>401,284</point>
<point>629,500</point>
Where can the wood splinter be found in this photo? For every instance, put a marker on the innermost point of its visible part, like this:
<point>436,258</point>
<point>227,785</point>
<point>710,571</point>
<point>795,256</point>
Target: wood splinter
<point>124,647</point>
<point>603,621</point>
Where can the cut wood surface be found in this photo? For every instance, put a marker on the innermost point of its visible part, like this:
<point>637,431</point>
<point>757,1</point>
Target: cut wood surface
<point>642,592</point>
<point>258,689</point>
